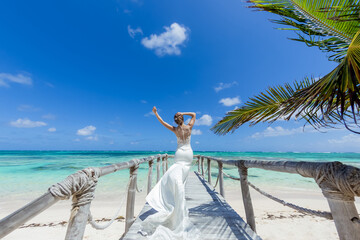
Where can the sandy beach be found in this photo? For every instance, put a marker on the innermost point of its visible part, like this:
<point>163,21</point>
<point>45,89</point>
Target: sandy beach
<point>273,220</point>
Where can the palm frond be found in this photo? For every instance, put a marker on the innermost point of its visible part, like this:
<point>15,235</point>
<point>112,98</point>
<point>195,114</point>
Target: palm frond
<point>271,105</point>
<point>329,25</point>
<point>338,91</point>
<point>265,107</point>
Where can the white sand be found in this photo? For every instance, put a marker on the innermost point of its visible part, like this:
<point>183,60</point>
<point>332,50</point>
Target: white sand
<point>273,221</point>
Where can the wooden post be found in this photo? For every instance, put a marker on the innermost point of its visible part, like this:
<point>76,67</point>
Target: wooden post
<point>163,165</point>
<point>77,223</point>
<point>202,166</point>
<point>245,191</point>
<point>167,162</point>
<point>150,176</point>
<point>130,202</point>
<point>343,212</point>
<point>198,164</point>
<point>209,170</point>
<point>221,179</point>
<point>158,169</point>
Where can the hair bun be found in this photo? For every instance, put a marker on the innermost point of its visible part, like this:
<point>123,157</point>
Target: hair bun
<point>179,118</point>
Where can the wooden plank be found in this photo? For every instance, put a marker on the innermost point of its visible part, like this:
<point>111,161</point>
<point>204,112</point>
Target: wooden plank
<point>130,202</point>
<point>343,212</point>
<point>149,179</point>
<point>158,169</point>
<point>167,162</point>
<point>202,166</point>
<point>209,170</point>
<point>77,223</point>
<point>199,163</point>
<point>221,179</point>
<point>19,217</point>
<point>249,211</point>
<point>163,163</point>
<point>208,211</point>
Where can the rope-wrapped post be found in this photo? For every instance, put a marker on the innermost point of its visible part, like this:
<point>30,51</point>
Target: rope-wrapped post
<point>209,170</point>
<point>81,186</point>
<point>245,191</point>
<point>149,180</point>
<point>198,157</point>
<point>167,161</point>
<point>130,202</point>
<point>163,163</point>
<point>340,184</point>
<point>158,169</point>
<point>221,179</point>
<point>202,166</point>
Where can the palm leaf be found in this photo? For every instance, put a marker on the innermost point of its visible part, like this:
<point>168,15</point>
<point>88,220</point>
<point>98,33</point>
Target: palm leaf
<point>329,25</point>
<point>332,26</point>
<point>337,91</point>
<point>265,107</point>
<point>269,106</point>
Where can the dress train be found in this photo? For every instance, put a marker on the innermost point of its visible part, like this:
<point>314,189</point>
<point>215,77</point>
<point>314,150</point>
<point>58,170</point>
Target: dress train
<point>171,221</point>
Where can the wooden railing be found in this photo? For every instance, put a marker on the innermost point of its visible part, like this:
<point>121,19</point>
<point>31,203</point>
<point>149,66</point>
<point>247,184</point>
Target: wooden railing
<point>339,183</point>
<point>80,213</point>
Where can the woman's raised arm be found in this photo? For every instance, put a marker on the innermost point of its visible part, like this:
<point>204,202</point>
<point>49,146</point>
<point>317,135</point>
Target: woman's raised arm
<point>193,117</point>
<point>168,126</point>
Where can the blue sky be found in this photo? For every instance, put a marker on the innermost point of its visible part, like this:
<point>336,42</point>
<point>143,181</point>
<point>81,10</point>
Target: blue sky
<point>84,75</point>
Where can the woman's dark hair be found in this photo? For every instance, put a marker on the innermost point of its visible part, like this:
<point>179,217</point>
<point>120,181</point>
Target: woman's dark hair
<point>179,118</point>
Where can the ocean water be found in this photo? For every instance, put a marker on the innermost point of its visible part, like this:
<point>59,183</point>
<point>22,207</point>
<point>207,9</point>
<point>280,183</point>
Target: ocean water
<point>25,174</point>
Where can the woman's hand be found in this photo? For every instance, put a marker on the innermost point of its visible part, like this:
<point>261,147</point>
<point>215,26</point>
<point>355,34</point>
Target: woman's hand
<point>154,109</point>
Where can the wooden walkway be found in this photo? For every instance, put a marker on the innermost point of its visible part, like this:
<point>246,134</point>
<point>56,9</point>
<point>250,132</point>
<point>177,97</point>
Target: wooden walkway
<point>208,211</point>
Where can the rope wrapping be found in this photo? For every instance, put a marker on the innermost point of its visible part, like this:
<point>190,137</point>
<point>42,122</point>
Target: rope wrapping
<point>81,185</point>
<point>338,181</point>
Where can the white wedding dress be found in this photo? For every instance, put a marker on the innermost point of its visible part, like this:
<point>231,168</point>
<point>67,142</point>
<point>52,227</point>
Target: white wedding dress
<point>171,221</point>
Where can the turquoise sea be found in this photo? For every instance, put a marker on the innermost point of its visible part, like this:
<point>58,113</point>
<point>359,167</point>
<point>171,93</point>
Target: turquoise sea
<point>28,174</point>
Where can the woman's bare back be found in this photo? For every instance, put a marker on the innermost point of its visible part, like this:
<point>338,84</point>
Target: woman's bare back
<point>183,132</point>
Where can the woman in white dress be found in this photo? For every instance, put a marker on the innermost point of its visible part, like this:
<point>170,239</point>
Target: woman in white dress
<point>171,221</point>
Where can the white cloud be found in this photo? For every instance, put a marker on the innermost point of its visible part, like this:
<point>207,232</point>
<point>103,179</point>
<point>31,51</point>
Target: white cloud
<point>167,42</point>
<point>205,120</point>
<point>92,138</point>
<point>134,143</point>
<point>52,129</point>
<point>280,131</point>
<point>230,101</point>
<point>27,108</point>
<point>196,132</point>
<point>223,86</point>
<point>86,131</point>
<point>49,116</point>
<point>197,142</point>
<point>76,140</point>
<point>350,138</point>
<point>149,114</point>
<point>143,101</point>
<point>49,84</point>
<point>132,32</point>
<point>6,78</point>
<point>26,123</point>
